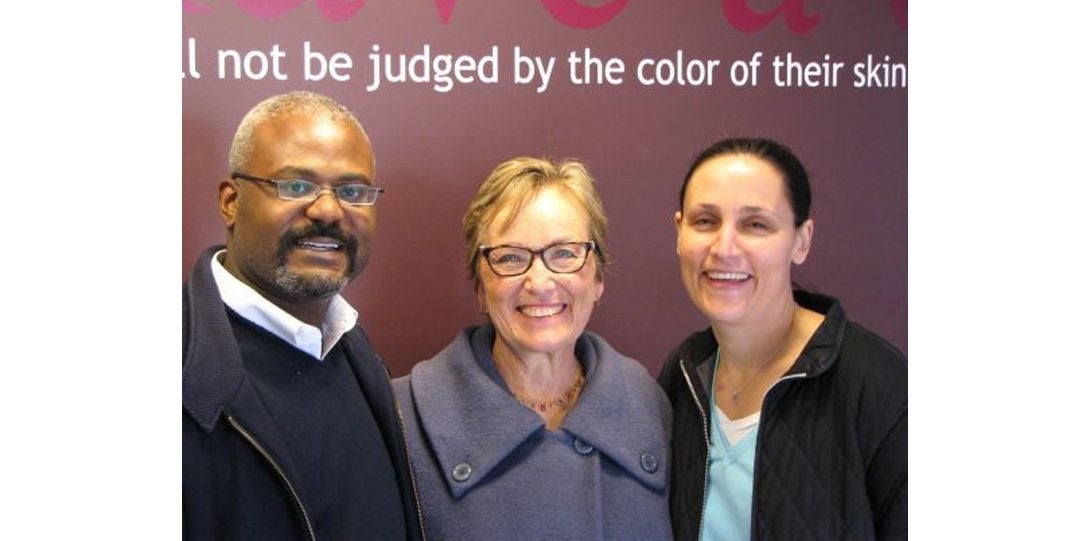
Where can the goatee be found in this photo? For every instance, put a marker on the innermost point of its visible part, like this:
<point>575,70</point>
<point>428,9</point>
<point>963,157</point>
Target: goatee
<point>314,285</point>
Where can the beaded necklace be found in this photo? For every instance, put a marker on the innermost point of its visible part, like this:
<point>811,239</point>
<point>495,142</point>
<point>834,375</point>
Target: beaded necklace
<point>541,405</point>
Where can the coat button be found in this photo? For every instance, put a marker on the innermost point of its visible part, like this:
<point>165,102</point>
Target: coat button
<point>461,472</point>
<point>648,462</point>
<point>582,447</point>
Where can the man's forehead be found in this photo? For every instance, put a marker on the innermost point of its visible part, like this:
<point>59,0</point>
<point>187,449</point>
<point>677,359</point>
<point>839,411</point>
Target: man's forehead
<point>291,137</point>
<point>309,128</point>
<point>299,120</point>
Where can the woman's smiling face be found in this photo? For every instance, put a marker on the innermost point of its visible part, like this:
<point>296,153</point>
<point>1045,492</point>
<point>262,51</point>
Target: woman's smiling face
<point>540,311</point>
<point>736,239</point>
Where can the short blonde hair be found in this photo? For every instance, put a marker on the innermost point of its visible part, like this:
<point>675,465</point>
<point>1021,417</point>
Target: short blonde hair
<point>513,184</point>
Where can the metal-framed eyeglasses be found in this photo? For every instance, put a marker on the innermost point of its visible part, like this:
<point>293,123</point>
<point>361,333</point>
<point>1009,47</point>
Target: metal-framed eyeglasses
<point>561,257</point>
<point>297,189</point>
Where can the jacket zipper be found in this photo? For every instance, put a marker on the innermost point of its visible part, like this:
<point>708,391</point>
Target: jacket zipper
<point>283,477</point>
<point>707,440</point>
<point>412,477</point>
<point>707,444</point>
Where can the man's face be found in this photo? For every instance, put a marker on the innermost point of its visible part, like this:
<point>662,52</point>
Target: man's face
<point>293,252</point>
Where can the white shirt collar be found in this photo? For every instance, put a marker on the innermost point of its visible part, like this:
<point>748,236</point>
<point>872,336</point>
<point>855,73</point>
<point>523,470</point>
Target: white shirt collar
<point>339,318</point>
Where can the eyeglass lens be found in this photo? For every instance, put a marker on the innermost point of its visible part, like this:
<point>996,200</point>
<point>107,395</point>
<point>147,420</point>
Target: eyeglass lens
<point>353,194</point>
<point>565,258</point>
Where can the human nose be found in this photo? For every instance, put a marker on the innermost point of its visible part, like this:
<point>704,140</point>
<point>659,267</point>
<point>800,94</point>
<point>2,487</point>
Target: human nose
<point>726,243</point>
<point>538,276</point>
<point>326,207</point>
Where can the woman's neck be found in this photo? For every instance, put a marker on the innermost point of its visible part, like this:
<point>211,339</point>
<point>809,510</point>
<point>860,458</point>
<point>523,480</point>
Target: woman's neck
<point>751,345</point>
<point>753,357</point>
<point>533,373</point>
<point>548,384</point>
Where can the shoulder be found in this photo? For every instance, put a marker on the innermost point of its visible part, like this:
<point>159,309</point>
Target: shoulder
<point>871,359</point>
<point>359,349</point>
<point>694,349</point>
<point>870,380</point>
<point>447,365</point>
<point>854,366</point>
<point>627,373</point>
<point>861,356</point>
<point>624,366</point>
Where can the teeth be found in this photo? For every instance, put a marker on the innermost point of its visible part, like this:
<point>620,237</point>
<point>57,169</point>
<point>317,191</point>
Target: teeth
<point>541,311</point>
<point>319,245</point>
<point>735,276</point>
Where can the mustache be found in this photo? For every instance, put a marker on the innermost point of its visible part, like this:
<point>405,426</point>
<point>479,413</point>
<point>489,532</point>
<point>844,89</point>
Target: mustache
<point>294,235</point>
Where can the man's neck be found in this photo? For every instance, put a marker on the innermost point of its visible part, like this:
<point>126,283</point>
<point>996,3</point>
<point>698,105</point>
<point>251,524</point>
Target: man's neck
<point>309,311</point>
<point>313,326</point>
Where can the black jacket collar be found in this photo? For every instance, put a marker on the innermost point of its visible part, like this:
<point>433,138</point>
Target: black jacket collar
<point>817,356</point>
<point>211,360</point>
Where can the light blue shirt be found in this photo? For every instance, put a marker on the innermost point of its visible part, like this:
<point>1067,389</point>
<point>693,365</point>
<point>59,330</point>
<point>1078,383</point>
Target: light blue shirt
<point>728,507</point>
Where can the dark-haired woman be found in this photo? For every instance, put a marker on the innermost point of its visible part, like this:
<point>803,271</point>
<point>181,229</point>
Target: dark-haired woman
<point>790,421</point>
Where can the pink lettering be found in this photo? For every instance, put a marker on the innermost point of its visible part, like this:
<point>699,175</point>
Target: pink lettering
<point>446,9</point>
<point>331,10</point>
<point>740,16</point>
<point>568,12</point>
<point>191,6</point>
<point>576,15</point>
<point>339,10</point>
<point>267,9</point>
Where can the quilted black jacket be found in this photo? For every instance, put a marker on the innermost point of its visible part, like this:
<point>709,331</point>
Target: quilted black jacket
<point>832,442</point>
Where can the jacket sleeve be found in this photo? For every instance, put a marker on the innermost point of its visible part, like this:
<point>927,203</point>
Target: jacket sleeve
<point>887,483</point>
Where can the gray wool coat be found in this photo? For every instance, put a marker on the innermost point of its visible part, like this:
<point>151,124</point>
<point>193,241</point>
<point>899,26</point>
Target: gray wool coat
<point>487,468</point>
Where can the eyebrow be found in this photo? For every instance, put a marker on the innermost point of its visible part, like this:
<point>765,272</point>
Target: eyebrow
<point>746,209</point>
<point>758,210</point>
<point>308,174</point>
<point>704,207</point>
<point>541,247</point>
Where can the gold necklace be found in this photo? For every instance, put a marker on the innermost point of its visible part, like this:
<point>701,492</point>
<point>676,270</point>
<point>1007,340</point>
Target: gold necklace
<point>734,392</point>
<point>784,343</point>
<point>541,405</point>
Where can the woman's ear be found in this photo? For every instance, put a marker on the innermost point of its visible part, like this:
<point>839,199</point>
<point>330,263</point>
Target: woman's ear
<point>677,227</point>
<point>480,299</point>
<point>803,237</point>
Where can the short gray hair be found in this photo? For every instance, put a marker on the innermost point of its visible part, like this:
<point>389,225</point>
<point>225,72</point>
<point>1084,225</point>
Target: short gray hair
<point>301,102</point>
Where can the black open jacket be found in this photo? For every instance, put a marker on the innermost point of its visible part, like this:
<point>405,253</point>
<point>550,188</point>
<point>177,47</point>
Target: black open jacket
<point>238,481</point>
<point>832,442</point>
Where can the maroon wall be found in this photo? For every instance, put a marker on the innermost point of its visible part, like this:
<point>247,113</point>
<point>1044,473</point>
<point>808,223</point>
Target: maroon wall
<point>433,148</point>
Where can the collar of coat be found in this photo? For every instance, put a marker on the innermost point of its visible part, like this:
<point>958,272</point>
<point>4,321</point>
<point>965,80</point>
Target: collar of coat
<point>470,418</point>
<point>211,359</point>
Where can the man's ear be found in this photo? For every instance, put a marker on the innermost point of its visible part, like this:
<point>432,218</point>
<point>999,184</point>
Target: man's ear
<point>228,202</point>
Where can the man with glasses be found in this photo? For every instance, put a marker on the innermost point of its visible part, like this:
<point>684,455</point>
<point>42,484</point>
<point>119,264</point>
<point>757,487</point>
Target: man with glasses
<point>290,430</point>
